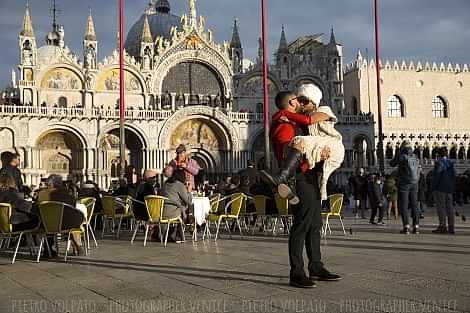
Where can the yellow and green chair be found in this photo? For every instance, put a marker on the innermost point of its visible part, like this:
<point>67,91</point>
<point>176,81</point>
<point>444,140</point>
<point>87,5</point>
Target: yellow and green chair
<point>6,229</point>
<point>52,214</point>
<point>89,202</point>
<point>336,206</point>
<point>111,214</point>
<point>236,203</point>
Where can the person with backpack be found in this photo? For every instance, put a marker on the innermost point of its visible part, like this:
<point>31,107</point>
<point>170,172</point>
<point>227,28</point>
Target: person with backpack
<point>408,178</point>
<point>443,186</point>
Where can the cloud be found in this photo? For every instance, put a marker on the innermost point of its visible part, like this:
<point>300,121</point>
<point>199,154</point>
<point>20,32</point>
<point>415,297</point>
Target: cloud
<point>431,30</point>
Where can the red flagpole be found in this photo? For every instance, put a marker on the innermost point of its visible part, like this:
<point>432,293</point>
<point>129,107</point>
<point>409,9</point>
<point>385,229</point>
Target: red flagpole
<point>122,132</point>
<point>380,148</point>
<point>264,36</point>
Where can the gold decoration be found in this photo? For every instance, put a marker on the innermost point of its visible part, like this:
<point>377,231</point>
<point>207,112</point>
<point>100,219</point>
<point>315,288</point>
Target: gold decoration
<point>109,81</point>
<point>195,133</point>
<point>61,78</point>
<point>193,42</point>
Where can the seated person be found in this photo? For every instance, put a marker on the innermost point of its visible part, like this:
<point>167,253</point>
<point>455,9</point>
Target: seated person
<point>72,218</point>
<point>146,188</point>
<point>178,192</point>
<point>90,189</point>
<point>23,217</point>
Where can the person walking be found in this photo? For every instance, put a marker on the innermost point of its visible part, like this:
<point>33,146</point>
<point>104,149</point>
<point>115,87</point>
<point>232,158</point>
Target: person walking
<point>376,200</point>
<point>391,194</point>
<point>359,187</point>
<point>443,186</point>
<point>421,193</point>
<point>408,178</point>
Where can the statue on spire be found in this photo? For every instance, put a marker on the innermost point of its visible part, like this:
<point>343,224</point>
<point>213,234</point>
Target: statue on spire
<point>192,13</point>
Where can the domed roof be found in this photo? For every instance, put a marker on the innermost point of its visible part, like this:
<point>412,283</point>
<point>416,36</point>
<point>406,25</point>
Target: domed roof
<point>160,21</point>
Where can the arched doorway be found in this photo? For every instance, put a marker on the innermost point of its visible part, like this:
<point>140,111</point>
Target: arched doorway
<point>62,153</point>
<point>109,145</point>
<point>362,152</point>
<point>205,140</point>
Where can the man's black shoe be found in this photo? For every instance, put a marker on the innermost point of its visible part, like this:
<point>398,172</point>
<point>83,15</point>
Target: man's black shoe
<point>324,275</point>
<point>302,282</point>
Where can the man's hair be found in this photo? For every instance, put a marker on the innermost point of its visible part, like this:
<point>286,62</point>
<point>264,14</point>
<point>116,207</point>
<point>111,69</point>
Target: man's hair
<point>55,181</point>
<point>282,99</point>
<point>442,152</point>
<point>178,175</point>
<point>7,156</point>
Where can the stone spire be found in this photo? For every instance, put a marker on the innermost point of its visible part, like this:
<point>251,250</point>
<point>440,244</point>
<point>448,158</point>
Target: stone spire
<point>90,33</point>
<point>332,37</point>
<point>283,47</point>
<point>146,34</point>
<point>27,24</point>
<point>259,60</point>
<point>236,42</point>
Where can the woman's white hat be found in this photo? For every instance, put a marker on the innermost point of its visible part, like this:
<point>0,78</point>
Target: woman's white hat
<point>311,92</point>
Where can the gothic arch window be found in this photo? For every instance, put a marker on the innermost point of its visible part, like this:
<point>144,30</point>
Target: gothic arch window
<point>27,45</point>
<point>395,107</point>
<point>439,108</point>
<point>453,153</point>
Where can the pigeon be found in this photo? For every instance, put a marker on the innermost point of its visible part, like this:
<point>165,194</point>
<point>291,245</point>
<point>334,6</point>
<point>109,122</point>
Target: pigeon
<point>464,218</point>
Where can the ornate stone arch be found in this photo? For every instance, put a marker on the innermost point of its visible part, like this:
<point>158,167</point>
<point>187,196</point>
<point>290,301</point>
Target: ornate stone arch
<point>73,129</point>
<point>312,78</point>
<point>273,78</point>
<point>216,117</point>
<point>208,57</point>
<point>131,127</point>
<point>130,69</point>
<point>77,71</point>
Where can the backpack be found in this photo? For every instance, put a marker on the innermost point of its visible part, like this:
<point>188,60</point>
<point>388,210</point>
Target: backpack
<point>411,169</point>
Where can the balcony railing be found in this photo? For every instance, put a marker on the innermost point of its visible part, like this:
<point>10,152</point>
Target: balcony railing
<point>111,114</point>
<point>356,119</point>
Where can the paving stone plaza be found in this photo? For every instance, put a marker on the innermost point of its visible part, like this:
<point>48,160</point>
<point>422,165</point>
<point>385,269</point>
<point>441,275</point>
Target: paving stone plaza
<point>382,270</point>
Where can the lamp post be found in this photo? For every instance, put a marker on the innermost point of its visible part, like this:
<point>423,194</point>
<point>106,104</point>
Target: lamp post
<point>380,148</point>
<point>122,131</point>
<point>264,36</point>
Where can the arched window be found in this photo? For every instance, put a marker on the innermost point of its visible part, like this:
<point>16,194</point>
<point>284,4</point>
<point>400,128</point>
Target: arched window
<point>395,107</point>
<point>62,102</point>
<point>354,106</point>
<point>259,108</point>
<point>439,108</point>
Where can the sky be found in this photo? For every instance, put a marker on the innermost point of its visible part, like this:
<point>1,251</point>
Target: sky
<point>418,30</point>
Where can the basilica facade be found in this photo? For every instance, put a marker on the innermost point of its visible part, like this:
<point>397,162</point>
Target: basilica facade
<point>181,87</point>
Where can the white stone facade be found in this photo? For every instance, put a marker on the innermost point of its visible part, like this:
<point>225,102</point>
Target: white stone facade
<point>424,103</point>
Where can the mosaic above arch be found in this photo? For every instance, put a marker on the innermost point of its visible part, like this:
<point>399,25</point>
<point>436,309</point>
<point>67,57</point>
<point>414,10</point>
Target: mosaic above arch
<point>195,132</point>
<point>62,79</point>
<point>109,81</point>
<point>254,87</point>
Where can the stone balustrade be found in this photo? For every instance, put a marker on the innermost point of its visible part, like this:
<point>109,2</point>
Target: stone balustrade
<point>108,114</point>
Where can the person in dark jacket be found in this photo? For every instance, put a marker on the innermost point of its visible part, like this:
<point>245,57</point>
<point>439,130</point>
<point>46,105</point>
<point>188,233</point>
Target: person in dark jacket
<point>408,178</point>
<point>443,186</point>
<point>10,163</point>
<point>422,193</point>
<point>358,184</point>
<point>376,200</point>
<point>22,217</point>
<point>72,218</point>
<point>250,174</point>
<point>90,189</point>
<point>146,188</point>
